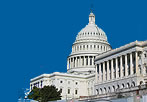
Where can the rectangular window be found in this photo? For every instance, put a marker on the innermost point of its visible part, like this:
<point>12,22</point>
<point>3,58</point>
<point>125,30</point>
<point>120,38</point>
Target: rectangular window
<point>76,92</point>
<point>68,91</point>
<point>90,61</point>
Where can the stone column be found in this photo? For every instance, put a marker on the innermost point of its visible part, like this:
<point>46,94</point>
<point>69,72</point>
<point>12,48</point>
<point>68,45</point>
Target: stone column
<point>100,73</point>
<point>84,60</point>
<point>121,67</point>
<point>142,63</point>
<point>96,74</point>
<point>136,60</point>
<point>92,60</point>
<point>116,63</point>
<point>131,64</point>
<point>88,60</point>
<point>70,63</point>
<point>108,71</point>
<point>80,61</point>
<point>67,63</point>
<point>112,70</point>
<point>75,61</point>
<point>126,65</point>
<point>104,71</point>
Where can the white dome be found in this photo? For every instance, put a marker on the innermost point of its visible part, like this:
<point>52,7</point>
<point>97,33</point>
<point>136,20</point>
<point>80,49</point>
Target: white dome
<point>89,42</point>
<point>91,32</point>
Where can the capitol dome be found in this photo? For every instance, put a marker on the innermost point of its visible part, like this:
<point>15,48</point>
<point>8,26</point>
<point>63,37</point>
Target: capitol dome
<point>91,31</point>
<point>90,41</point>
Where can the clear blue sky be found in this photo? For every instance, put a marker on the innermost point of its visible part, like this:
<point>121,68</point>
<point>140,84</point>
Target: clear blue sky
<point>36,36</point>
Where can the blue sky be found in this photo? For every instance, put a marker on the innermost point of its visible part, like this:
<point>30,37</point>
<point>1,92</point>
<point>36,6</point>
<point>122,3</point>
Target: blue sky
<point>36,36</point>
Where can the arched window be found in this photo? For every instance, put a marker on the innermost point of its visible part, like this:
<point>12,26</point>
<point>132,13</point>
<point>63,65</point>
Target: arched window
<point>68,91</point>
<point>97,91</point>
<point>133,84</point>
<point>90,46</point>
<point>118,87</point>
<point>101,91</point>
<point>83,47</point>
<point>113,88</point>
<point>128,85</point>
<point>123,86</point>
<point>105,91</point>
<point>109,90</point>
<point>94,47</point>
<point>76,91</point>
<point>86,60</point>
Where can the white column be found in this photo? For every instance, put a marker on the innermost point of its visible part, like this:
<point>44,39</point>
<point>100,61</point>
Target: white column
<point>84,60</point>
<point>142,64</point>
<point>100,73</point>
<point>96,74</point>
<point>75,61</point>
<point>104,71</point>
<point>121,67</point>
<point>67,64</point>
<point>92,60</point>
<point>116,63</point>
<point>70,63</point>
<point>136,60</point>
<point>126,66</point>
<point>80,61</point>
<point>131,64</point>
<point>88,60</point>
<point>108,71</point>
<point>112,70</point>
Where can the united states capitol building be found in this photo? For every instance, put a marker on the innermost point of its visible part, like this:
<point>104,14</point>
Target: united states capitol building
<point>94,68</point>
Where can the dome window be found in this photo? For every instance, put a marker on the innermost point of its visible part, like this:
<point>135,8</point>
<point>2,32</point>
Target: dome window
<point>84,47</point>
<point>94,46</point>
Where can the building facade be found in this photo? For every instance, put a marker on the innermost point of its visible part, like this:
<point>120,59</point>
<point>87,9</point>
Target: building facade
<point>121,68</point>
<point>93,68</point>
<point>80,77</point>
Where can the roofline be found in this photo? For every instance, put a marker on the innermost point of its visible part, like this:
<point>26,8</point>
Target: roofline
<point>122,48</point>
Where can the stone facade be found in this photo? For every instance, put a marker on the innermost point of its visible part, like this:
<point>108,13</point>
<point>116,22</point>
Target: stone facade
<point>93,68</point>
<point>121,68</point>
<point>80,77</point>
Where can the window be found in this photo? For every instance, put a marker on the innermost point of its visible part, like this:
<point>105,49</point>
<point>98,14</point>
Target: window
<point>61,81</point>
<point>76,83</point>
<point>61,90</point>
<point>68,82</point>
<point>86,60</point>
<point>68,91</point>
<point>76,91</point>
<point>41,84</point>
<point>90,61</point>
<point>145,55</point>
